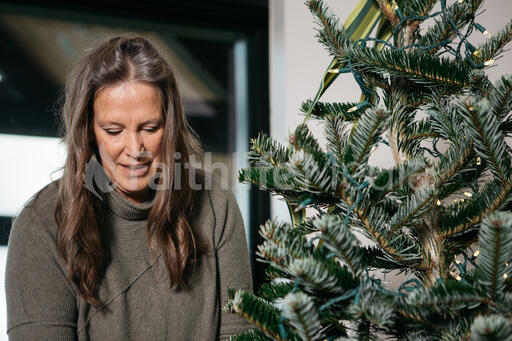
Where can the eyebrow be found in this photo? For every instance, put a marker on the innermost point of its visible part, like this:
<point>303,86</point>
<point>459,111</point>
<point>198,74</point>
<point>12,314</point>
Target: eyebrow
<point>153,121</point>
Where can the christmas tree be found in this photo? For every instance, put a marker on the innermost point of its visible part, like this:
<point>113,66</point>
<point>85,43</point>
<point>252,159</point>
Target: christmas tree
<point>440,216</point>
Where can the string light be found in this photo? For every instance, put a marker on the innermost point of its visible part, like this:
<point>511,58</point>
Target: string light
<point>461,1</point>
<point>506,263</point>
<point>468,194</point>
<point>505,276</point>
<point>395,5</point>
<point>373,149</point>
<point>488,62</point>
<point>458,278</point>
<point>478,161</point>
<point>477,252</point>
<point>334,71</point>
<point>438,202</point>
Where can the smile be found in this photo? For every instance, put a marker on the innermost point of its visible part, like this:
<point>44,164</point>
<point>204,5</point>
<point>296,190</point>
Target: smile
<point>136,170</point>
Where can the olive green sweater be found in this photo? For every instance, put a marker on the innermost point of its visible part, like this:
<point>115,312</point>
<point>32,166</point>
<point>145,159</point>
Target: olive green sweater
<point>42,304</point>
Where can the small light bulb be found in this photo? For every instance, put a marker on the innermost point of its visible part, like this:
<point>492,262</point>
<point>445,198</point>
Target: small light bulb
<point>477,53</point>
<point>487,34</point>
<point>461,1</point>
<point>334,70</point>
<point>468,194</point>
<point>506,263</point>
<point>438,202</point>
<point>458,278</point>
<point>488,62</point>
<point>395,5</point>
<point>477,252</point>
<point>373,149</point>
<point>505,276</point>
<point>354,108</point>
<point>478,161</point>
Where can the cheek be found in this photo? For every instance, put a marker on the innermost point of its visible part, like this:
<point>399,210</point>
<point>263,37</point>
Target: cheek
<point>154,144</point>
<point>109,149</point>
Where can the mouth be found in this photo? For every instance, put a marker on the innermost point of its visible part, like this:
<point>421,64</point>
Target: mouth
<point>136,170</point>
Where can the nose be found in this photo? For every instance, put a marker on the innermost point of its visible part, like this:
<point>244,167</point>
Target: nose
<point>134,144</point>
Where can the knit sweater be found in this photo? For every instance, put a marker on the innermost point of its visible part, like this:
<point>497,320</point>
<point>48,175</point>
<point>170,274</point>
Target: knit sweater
<point>42,304</point>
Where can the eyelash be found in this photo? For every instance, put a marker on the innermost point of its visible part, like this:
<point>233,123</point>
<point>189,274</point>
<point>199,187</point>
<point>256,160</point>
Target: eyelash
<point>116,132</point>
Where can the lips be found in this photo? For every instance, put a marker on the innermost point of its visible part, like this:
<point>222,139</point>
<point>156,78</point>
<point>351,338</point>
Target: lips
<point>136,170</point>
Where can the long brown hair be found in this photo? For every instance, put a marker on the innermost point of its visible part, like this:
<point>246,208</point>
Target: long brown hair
<point>121,59</point>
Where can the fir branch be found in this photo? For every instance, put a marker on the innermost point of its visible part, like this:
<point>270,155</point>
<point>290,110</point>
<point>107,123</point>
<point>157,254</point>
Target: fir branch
<point>483,128</point>
<point>488,328</point>
<point>267,151</point>
<point>453,161</point>
<point>401,248</point>
<point>300,310</point>
<point>322,110</point>
<point>364,136</point>
<point>500,97</point>
<point>495,239</point>
<point>416,8</point>
<point>274,179</point>
<point>413,135</point>
<point>413,65</point>
<point>271,291</point>
<point>374,257</point>
<point>440,299</point>
<point>412,210</point>
<point>322,277</point>
<point>494,46</point>
<point>444,118</point>
<point>461,14</point>
<point>311,175</point>
<point>339,239</point>
<point>388,181</point>
<point>462,217</point>
<point>260,313</point>
<point>335,132</point>
<point>252,334</point>
<point>330,32</point>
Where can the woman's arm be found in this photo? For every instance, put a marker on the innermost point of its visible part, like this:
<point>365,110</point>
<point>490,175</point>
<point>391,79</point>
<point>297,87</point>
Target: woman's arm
<point>41,305</point>
<point>233,261</point>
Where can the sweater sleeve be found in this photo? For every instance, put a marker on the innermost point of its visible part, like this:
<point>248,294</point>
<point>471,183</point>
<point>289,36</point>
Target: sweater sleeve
<point>40,303</point>
<point>233,263</point>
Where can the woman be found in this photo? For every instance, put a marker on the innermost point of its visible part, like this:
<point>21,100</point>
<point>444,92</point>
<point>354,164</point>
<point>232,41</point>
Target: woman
<point>124,246</point>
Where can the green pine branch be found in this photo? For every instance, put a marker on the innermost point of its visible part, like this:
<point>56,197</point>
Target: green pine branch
<point>347,111</point>
<point>267,151</point>
<point>494,45</point>
<point>339,239</point>
<point>364,136</point>
<point>495,239</point>
<point>414,65</point>
<point>260,313</point>
<point>300,310</point>
<point>484,129</point>
<point>330,32</point>
<point>500,97</point>
<point>460,12</point>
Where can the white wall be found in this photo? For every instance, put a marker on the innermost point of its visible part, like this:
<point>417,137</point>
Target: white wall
<point>298,60</point>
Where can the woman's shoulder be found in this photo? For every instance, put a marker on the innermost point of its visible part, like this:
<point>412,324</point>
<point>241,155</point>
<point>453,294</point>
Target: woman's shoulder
<point>39,209</point>
<point>214,187</point>
<point>218,206</point>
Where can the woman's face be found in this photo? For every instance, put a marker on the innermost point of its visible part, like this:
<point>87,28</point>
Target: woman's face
<point>128,130</point>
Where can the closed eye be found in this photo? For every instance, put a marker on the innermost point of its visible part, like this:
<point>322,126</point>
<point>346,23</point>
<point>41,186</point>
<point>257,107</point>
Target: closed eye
<point>112,132</point>
<point>151,129</point>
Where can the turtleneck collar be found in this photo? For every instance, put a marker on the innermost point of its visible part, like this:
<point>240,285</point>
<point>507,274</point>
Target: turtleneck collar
<point>112,199</point>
